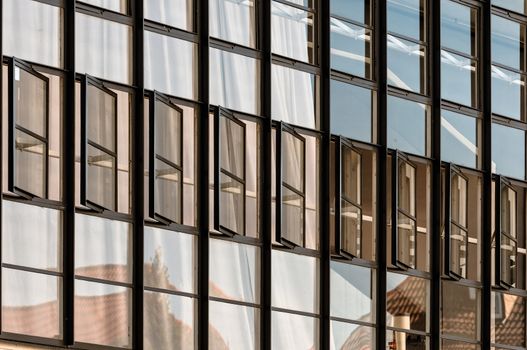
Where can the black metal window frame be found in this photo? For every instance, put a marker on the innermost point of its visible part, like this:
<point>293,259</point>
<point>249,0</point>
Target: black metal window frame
<point>502,182</point>
<point>450,171</point>
<point>85,142</point>
<point>156,96</point>
<point>14,127</point>
<point>281,237</point>
<point>340,196</point>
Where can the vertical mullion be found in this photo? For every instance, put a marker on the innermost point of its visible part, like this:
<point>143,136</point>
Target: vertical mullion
<point>202,7</point>
<point>485,90</point>
<point>68,173</point>
<point>434,31</point>
<point>266,198</point>
<point>325,254</point>
<point>137,181</point>
<point>380,71</point>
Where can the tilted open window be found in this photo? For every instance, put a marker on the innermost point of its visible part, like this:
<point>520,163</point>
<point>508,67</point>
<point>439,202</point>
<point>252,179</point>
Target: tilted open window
<point>404,218</point>
<point>348,203</point>
<point>98,145</point>
<point>229,173</point>
<point>506,248</point>
<point>290,186</point>
<point>165,160</point>
<point>456,223</point>
<point>28,130</point>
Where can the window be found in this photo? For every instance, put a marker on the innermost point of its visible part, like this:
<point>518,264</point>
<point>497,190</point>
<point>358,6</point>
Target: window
<point>508,151</point>
<point>506,234</point>
<point>508,320</point>
<point>28,131</point>
<point>233,21</point>
<point>460,312</point>
<point>290,186</point>
<point>166,160</point>
<point>112,5</point>
<point>460,138</point>
<point>456,226</point>
<point>175,13</point>
<point>519,6</point>
<point>98,146</point>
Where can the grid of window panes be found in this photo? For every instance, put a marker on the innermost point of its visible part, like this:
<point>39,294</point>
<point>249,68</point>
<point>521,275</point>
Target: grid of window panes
<point>233,181</point>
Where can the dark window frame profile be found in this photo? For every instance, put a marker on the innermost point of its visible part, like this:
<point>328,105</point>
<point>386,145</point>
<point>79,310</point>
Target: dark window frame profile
<point>221,114</point>
<point>340,196</point>
<point>13,128</point>
<point>399,158</point>
<point>154,97</point>
<point>85,142</point>
<point>502,182</point>
<point>281,237</point>
<point>450,171</point>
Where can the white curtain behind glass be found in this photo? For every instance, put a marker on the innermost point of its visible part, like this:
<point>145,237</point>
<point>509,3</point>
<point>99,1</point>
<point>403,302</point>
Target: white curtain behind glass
<point>289,32</point>
<point>232,20</point>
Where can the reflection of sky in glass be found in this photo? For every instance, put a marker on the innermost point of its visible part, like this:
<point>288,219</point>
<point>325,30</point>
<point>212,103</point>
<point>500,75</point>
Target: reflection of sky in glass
<point>352,9</point>
<point>350,48</point>
<point>351,114</point>
<point>406,126</point>
<point>356,334</point>
<point>514,5</point>
<point>404,64</point>
<point>508,151</point>
<point>457,73</point>
<point>507,92</point>
<point>458,138</point>
<point>507,45</point>
<point>404,17</point>
<point>456,27</point>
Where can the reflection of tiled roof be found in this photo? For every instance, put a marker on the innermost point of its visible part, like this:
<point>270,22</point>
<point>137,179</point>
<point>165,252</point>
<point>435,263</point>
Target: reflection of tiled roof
<point>409,299</point>
<point>39,320</point>
<point>510,329</point>
<point>110,272</point>
<point>359,339</point>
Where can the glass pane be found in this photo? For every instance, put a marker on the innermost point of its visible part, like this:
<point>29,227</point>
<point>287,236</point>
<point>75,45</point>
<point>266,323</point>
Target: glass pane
<point>103,48</point>
<point>402,340</point>
<point>295,281</point>
<point>100,308</point>
<point>293,161</point>
<point>168,133</point>
<point>406,17</point>
<point>170,260</point>
<point>406,240</point>
<point>458,251</point>
<point>233,327</point>
<point>31,304</point>
<point>101,178</point>
<point>352,111</point>
<point>508,42</point>
<point>406,65</point>
<point>232,213</point>
<point>292,32</point>
<point>351,175</point>
<point>459,139</point>
<point>293,96</point>
<point>175,13</point>
<point>351,50</point>
<point>508,151</point>
<point>169,321</point>
<point>233,21</point>
<point>234,271</point>
<point>508,93</point>
<point>170,65</point>
<point>234,81</point>
<point>458,27</point>
<point>33,31</point>
<point>447,344</point>
<point>101,117</point>
<point>458,197</point>
<point>460,311</point>
<point>167,187</point>
<point>508,260</point>
<point>232,146</point>
<point>31,106</point>
<point>507,319</point>
<point>458,79</point>
<point>508,211</point>
<point>252,179</point>
<point>407,302</point>
<point>31,236</point>
<point>407,125</point>
<point>292,216</point>
<point>30,164</point>
<point>406,188</point>
<point>113,5</point>
<point>352,292</point>
<point>351,229</point>
<point>514,5</point>
<point>351,336</point>
<point>103,248</point>
<point>356,10</point>
<point>291,331</point>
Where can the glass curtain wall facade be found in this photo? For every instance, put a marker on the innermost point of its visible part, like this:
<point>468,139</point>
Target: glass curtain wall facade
<point>263,174</point>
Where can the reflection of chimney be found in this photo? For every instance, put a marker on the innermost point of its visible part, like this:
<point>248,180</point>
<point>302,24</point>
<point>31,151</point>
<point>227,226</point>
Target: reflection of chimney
<point>402,322</point>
